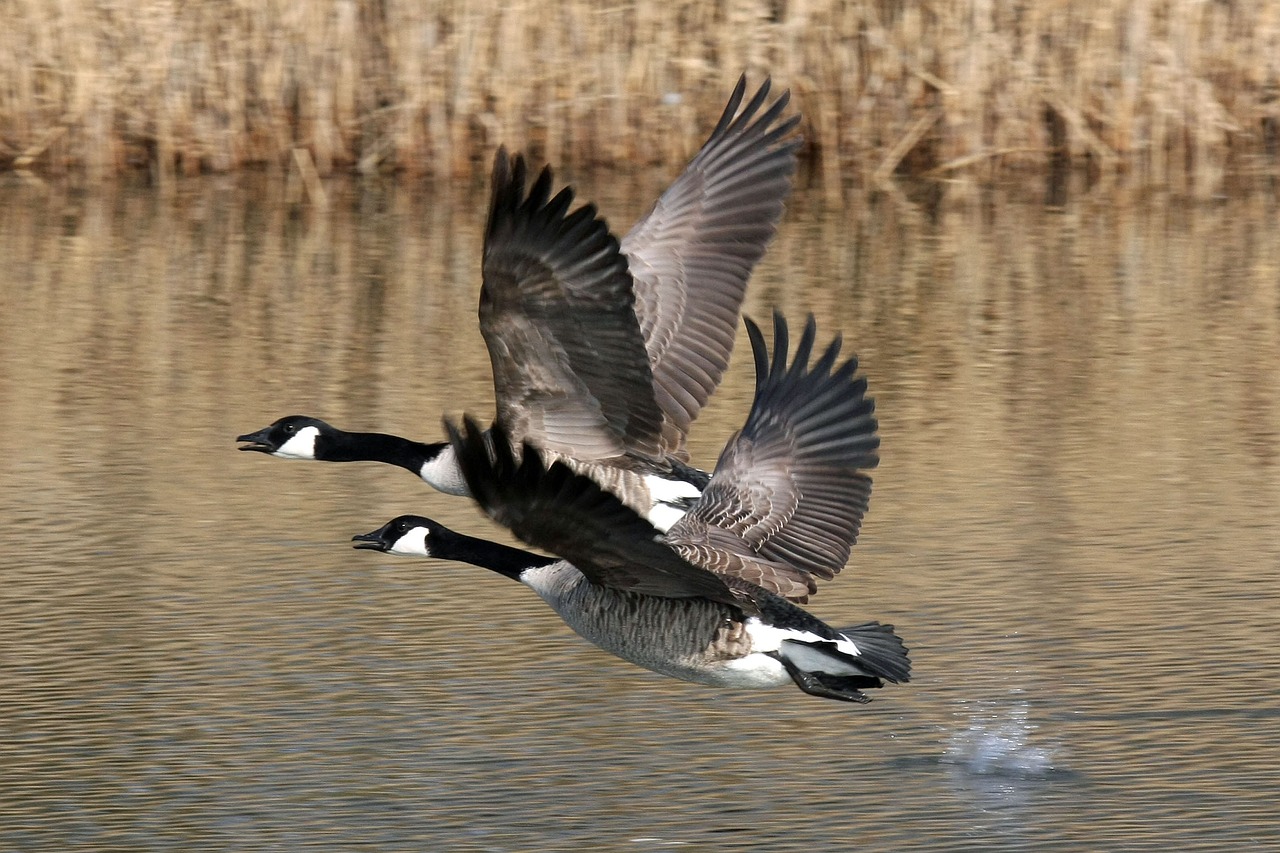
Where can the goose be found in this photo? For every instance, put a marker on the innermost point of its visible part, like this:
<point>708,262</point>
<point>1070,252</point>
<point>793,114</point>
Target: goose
<point>714,600</point>
<point>605,351</point>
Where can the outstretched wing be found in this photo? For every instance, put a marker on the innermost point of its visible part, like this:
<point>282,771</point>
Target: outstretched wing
<point>570,516</point>
<point>692,254</point>
<point>787,497</point>
<point>570,372</point>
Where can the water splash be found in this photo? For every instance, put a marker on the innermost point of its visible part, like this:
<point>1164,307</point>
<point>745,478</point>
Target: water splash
<point>996,741</point>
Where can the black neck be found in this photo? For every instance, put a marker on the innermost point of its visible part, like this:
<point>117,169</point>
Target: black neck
<point>494,556</point>
<point>380,447</point>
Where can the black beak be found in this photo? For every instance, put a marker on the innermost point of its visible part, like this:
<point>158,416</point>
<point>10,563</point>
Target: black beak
<point>257,441</point>
<point>369,541</point>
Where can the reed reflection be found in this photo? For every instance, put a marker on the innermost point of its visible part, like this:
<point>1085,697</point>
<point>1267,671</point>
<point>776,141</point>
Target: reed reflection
<point>1078,408</point>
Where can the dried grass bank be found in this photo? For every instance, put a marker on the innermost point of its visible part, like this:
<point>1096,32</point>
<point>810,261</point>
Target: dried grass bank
<point>1171,92</point>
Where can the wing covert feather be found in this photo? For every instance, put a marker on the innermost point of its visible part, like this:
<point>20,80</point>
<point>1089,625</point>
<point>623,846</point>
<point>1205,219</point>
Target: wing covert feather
<point>787,497</point>
<point>569,515</point>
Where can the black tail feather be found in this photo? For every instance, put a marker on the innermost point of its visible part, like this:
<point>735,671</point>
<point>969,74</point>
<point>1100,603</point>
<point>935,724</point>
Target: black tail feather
<point>822,668</point>
<point>881,652</point>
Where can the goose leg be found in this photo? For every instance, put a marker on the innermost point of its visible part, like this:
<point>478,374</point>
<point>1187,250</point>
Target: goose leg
<point>814,685</point>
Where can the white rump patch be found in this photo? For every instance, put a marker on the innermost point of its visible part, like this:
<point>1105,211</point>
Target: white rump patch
<point>849,647</point>
<point>301,446</point>
<point>664,517</point>
<point>444,475</point>
<point>767,638</point>
<point>662,490</point>
<point>669,500</point>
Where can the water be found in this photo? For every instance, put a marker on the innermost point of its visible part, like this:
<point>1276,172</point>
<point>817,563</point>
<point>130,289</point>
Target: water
<point>1073,527</point>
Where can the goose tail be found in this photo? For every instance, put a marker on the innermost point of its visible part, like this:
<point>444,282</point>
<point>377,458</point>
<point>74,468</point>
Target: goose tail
<point>880,651</point>
<point>863,658</point>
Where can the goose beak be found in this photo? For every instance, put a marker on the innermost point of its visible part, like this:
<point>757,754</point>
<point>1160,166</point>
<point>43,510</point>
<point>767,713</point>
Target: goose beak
<point>369,541</point>
<point>257,441</point>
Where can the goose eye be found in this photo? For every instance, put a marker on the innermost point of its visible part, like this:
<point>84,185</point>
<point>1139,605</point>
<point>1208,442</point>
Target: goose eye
<point>289,429</point>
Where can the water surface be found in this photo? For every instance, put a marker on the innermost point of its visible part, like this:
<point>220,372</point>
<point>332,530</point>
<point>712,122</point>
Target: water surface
<point>1073,527</point>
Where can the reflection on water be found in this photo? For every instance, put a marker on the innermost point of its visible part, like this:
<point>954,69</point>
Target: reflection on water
<point>1073,527</point>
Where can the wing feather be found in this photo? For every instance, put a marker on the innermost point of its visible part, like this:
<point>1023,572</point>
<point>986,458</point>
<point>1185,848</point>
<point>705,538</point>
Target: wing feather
<point>571,516</point>
<point>692,254</point>
<point>787,498</point>
<point>570,371</point>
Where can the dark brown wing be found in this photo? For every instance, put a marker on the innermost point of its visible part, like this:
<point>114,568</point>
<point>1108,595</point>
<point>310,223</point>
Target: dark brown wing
<point>787,497</point>
<point>570,516</point>
<point>692,254</point>
<point>570,371</point>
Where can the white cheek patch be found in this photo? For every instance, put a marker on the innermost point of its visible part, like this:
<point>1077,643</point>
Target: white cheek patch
<point>301,446</point>
<point>412,544</point>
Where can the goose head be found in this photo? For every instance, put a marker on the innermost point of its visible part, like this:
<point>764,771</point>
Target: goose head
<point>294,437</point>
<point>404,536</point>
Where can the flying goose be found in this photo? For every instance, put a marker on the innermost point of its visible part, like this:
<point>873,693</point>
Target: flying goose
<point>603,352</point>
<point>710,601</point>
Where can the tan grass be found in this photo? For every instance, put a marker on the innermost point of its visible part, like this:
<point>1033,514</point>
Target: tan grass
<point>1176,93</point>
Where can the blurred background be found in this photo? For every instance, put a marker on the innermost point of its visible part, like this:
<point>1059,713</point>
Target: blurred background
<point>1179,94</point>
<point>1048,230</point>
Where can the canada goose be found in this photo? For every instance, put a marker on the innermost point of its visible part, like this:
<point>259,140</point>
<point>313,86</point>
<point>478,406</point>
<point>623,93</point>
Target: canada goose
<point>603,352</point>
<point>707,602</point>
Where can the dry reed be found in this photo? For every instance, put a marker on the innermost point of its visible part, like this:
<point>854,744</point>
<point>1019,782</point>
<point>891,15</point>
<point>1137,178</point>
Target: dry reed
<point>1175,93</point>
